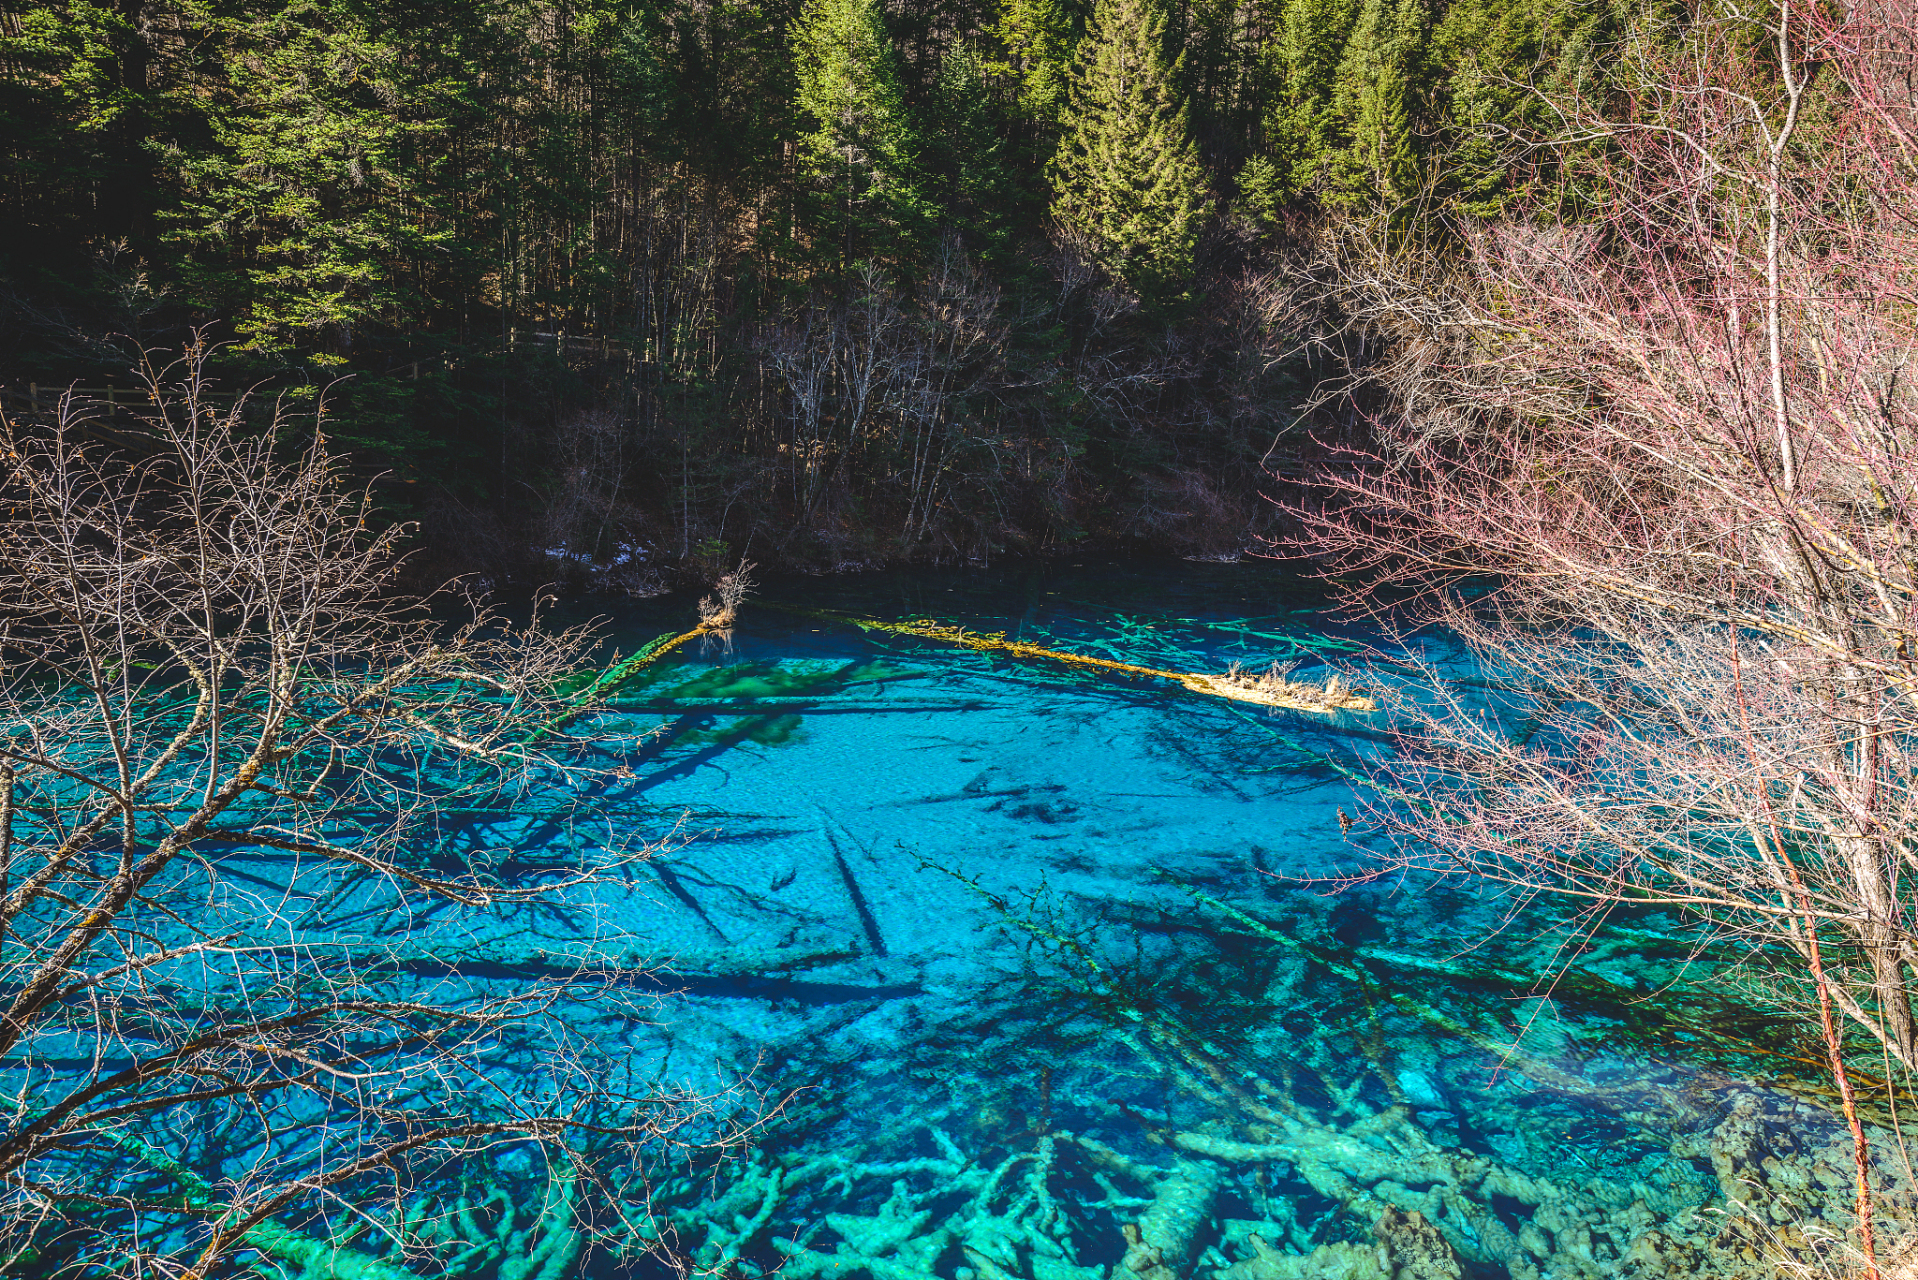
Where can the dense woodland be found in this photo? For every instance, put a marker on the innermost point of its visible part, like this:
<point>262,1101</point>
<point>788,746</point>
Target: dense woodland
<point>660,283</point>
<point>1587,327</point>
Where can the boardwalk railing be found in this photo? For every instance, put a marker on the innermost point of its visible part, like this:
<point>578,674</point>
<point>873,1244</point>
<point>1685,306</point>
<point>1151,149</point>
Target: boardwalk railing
<point>47,398</point>
<point>35,398</point>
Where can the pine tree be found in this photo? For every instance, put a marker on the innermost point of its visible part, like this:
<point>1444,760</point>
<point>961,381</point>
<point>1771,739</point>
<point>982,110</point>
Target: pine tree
<point>1037,36</point>
<point>976,187</point>
<point>314,182</point>
<point>1307,49</point>
<point>1508,59</point>
<point>1126,172</point>
<point>1382,85</point>
<point>861,148</point>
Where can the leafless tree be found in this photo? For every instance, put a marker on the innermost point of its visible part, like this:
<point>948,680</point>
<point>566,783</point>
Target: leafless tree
<point>583,510</point>
<point>837,362</point>
<point>1677,447</point>
<point>876,386</point>
<point>718,612</point>
<point>254,812</point>
<point>958,352</point>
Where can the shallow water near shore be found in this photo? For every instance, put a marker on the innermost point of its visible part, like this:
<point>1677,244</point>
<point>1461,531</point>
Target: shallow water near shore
<point>1035,973</point>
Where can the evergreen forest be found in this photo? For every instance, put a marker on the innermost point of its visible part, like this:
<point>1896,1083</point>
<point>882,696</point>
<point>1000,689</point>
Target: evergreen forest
<point>631,288</point>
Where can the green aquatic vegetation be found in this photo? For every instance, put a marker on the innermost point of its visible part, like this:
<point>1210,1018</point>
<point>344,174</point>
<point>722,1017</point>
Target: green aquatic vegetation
<point>755,680</point>
<point>766,731</point>
<point>1162,630</point>
<point>585,691</point>
<point>743,682</point>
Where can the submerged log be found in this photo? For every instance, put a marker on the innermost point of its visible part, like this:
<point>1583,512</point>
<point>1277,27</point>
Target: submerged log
<point>579,956</point>
<point>1293,695</point>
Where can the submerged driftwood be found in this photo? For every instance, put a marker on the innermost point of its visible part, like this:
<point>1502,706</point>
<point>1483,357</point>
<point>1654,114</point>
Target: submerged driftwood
<point>580,956</point>
<point>457,1243</point>
<point>1270,690</point>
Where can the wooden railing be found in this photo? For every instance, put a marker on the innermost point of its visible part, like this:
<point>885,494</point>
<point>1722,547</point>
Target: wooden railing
<point>115,399</point>
<point>34,398</point>
<point>40,397</point>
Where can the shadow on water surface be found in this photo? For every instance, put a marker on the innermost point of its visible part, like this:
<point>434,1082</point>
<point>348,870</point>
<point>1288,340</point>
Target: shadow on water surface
<point>1048,998</point>
<point>1139,1047</point>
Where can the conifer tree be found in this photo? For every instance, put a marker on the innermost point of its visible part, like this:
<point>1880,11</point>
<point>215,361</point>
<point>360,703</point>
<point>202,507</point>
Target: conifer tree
<point>1126,172</point>
<point>1307,48</point>
<point>861,148</point>
<point>1037,36</point>
<point>1382,83</point>
<point>315,176</point>
<point>1507,59</point>
<point>975,186</point>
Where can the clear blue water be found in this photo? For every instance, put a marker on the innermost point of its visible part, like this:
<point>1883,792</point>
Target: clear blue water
<point>996,969</point>
<point>1091,1008</point>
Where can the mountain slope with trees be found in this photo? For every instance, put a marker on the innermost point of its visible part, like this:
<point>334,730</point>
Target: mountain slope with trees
<point>830,282</point>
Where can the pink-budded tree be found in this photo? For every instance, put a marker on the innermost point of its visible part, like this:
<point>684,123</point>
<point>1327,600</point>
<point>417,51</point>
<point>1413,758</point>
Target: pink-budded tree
<point>1673,446</point>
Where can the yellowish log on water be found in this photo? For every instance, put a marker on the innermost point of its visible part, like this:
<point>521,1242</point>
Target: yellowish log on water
<point>1294,695</point>
<point>1268,689</point>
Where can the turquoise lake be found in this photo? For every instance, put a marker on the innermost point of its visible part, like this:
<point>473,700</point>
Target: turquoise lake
<point>1035,973</point>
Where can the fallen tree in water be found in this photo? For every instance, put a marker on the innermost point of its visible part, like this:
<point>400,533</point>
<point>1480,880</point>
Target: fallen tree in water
<point>1269,689</point>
